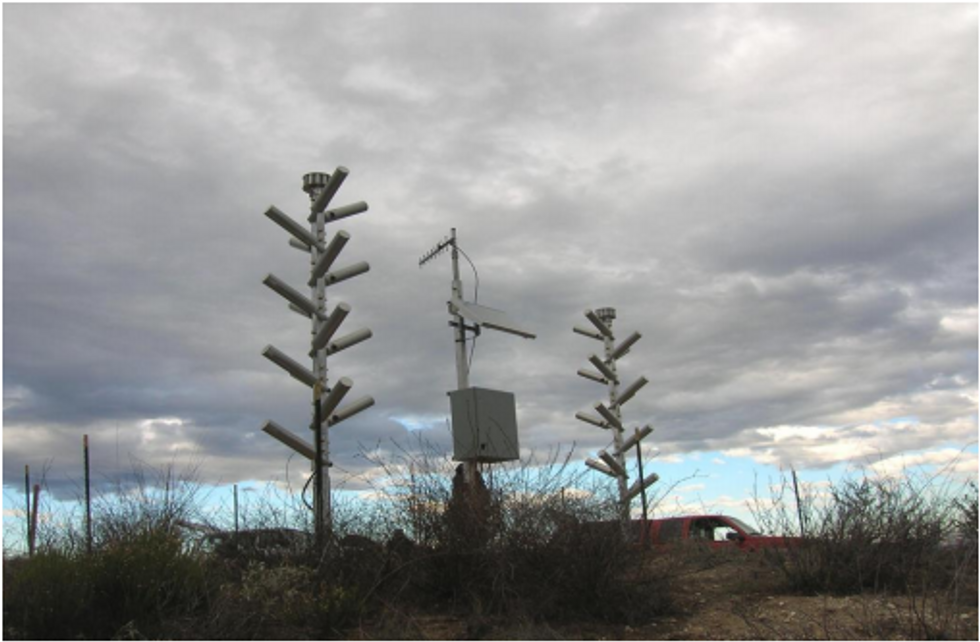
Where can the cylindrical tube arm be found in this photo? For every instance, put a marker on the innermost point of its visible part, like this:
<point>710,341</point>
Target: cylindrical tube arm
<point>639,485</point>
<point>598,323</point>
<point>591,419</point>
<point>285,362</point>
<point>614,465</point>
<point>624,347</point>
<point>329,190</point>
<point>631,390</point>
<point>602,468</point>
<point>348,340</point>
<point>588,374</point>
<point>329,255</point>
<point>346,273</point>
<point>333,399</point>
<point>287,438</point>
<point>634,439</point>
<point>287,292</point>
<point>331,325</point>
<point>588,333</point>
<point>603,368</point>
<point>350,410</point>
<point>285,222</point>
<point>608,415</point>
<point>346,210</point>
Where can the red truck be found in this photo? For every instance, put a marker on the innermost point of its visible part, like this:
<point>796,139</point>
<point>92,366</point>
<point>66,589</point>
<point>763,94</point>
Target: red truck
<point>715,531</point>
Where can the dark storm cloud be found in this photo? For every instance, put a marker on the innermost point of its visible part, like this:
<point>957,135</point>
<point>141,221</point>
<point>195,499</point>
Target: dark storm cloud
<point>782,199</point>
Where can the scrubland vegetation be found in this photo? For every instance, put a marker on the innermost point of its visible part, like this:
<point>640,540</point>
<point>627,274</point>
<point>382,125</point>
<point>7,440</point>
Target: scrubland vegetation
<point>883,558</point>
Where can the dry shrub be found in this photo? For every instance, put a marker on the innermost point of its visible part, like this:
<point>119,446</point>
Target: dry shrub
<point>525,551</point>
<point>869,533</point>
<point>907,536</point>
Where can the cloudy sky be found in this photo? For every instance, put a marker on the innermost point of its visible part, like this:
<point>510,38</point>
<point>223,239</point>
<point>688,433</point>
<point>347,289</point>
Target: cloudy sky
<point>781,199</point>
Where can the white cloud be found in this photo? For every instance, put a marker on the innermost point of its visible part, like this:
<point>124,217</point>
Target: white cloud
<point>947,461</point>
<point>862,444</point>
<point>961,323</point>
<point>387,80</point>
<point>782,199</point>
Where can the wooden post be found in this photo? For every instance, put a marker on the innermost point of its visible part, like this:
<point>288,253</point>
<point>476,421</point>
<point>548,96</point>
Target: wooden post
<point>236,508</point>
<point>643,488</point>
<point>33,525</point>
<point>27,513</point>
<point>799,507</point>
<point>88,497</point>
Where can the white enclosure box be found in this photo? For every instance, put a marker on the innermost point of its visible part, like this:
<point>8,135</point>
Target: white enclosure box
<point>484,425</point>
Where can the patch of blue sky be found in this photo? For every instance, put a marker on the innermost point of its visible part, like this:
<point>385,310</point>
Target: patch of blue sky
<point>414,423</point>
<point>905,419</point>
<point>696,482</point>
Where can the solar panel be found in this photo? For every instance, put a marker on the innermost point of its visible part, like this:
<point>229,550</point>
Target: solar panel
<point>488,317</point>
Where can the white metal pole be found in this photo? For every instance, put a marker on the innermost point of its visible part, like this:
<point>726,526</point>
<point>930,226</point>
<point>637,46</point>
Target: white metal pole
<point>314,184</point>
<point>608,315</point>
<point>462,367</point>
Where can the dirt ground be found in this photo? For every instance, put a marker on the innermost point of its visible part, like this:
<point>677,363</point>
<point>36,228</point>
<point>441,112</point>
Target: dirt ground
<point>734,598</point>
<point>742,599</point>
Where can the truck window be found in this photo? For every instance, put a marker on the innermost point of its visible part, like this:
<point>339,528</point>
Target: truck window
<point>710,529</point>
<point>746,528</point>
<point>670,530</point>
<point>702,530</point>
<point>723,531</point>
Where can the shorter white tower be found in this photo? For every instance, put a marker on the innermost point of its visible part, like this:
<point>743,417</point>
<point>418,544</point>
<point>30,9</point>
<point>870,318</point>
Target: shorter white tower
<point>610,417</point>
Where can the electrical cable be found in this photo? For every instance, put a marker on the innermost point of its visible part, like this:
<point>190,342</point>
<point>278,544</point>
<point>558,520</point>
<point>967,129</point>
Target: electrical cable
<point>469,362</point>
<point>476,275</point>
<point>476,299</point>
<point>302,493</point>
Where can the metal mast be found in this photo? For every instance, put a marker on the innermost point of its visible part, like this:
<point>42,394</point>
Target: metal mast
<point>321,188</point>
<point>462,367</point>
<point>607,316</point>
<point>460,327</point>
<point>611,415</point>
<point>481,316</point>
<point>314,184</point>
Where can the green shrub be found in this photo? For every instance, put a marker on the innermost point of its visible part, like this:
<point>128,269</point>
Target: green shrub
<point>144,580</point>
<point>140,582</point>
<point>45,596</point>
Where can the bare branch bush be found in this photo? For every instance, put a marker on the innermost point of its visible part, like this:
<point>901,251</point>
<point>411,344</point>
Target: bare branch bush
<point>903,535</point>
<point>528,551</point>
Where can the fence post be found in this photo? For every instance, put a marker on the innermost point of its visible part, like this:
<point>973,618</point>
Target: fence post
<point>33,524</point>
<point>27,513</point>
<point>799,507</point>
<point>88,498</point>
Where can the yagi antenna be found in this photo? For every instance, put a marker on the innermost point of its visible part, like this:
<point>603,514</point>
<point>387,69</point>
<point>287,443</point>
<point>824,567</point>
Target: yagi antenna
<point>480,315</point>
<point>438,249</point>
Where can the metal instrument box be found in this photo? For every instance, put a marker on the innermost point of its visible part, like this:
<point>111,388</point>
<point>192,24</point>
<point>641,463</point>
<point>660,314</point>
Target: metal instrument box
<point>484,425</point>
